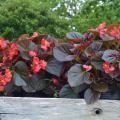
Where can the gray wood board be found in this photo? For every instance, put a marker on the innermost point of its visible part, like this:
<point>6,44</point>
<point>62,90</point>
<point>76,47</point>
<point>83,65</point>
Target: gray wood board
<point>12,108</point>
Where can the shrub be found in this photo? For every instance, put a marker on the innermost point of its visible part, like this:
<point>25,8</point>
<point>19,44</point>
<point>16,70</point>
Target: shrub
<point>19,16</point>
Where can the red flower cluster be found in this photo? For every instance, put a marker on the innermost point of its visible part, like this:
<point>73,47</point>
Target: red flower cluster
<point>45,44</point>
<point>112,30</point>
<point>38,64</point>
<point>115,32</point>
<point>108,68</point>
<point>10,52</point>
<point>4,79</point>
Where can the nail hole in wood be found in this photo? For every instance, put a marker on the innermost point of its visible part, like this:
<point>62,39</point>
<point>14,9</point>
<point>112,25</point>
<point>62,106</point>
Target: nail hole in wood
<point>97,111</point>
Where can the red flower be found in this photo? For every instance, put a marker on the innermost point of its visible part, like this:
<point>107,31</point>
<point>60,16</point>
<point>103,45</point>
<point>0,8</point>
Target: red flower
<point>45,44</point>
<point>114,32</point>
<point>38,64</point>
<point>35,34</point>
<point>55,82</point>
<point>8,75</point>
<point>3,43</point>
<point>35,65</point>
<point>87,67</point>
<point>108,68</point>
<point>32,53</point>
<point>13,51</point>
<point>43,64</point>
<point>4,79</point>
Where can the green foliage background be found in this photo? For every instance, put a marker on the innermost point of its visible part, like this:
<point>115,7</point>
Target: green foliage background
<point>55,17</point>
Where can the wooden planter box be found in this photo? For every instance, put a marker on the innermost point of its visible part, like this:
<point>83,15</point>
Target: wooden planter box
<point>12,108</point>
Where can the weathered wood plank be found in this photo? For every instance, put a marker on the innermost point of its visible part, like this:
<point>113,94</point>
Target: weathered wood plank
<point>56,109</point>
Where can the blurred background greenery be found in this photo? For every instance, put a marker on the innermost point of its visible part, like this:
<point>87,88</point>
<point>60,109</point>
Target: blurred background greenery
<point>55,17</point>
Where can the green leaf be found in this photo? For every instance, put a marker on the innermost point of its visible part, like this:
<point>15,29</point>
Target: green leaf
<point>76,76</point>
<point>110,55</point>
<point>67,92</point>
<point>91,96</point>
<point>54,67</point>
<point>100,87</point>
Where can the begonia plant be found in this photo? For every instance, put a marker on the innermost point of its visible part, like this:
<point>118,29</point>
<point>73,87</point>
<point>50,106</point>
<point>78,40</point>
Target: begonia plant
<point>87,63</point>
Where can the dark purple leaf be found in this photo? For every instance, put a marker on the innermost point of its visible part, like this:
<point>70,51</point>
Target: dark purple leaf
<point>106,37</point>
<point>67,92</point>
<point>74,35</point>
<point>93,48</point>
<point>18,80</point>
<point>35,84</point>
<point>97,61</point>
<point>91,96</point>
<point>76,76</point>
<point>110,55</point>
<point>54,67</point>
<point>62,53</point>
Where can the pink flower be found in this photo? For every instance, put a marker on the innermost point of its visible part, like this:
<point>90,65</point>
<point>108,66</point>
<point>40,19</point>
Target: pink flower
<point>32,53</point>
<point>87,67</point>
<point>43,64</point>
<point>102,28</point>
<point>108,68</point>
<point>35,34</point>
<point>45,44</point>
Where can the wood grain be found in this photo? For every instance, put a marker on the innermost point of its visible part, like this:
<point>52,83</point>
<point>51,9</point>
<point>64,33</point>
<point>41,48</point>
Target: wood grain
<point>56,109</point>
